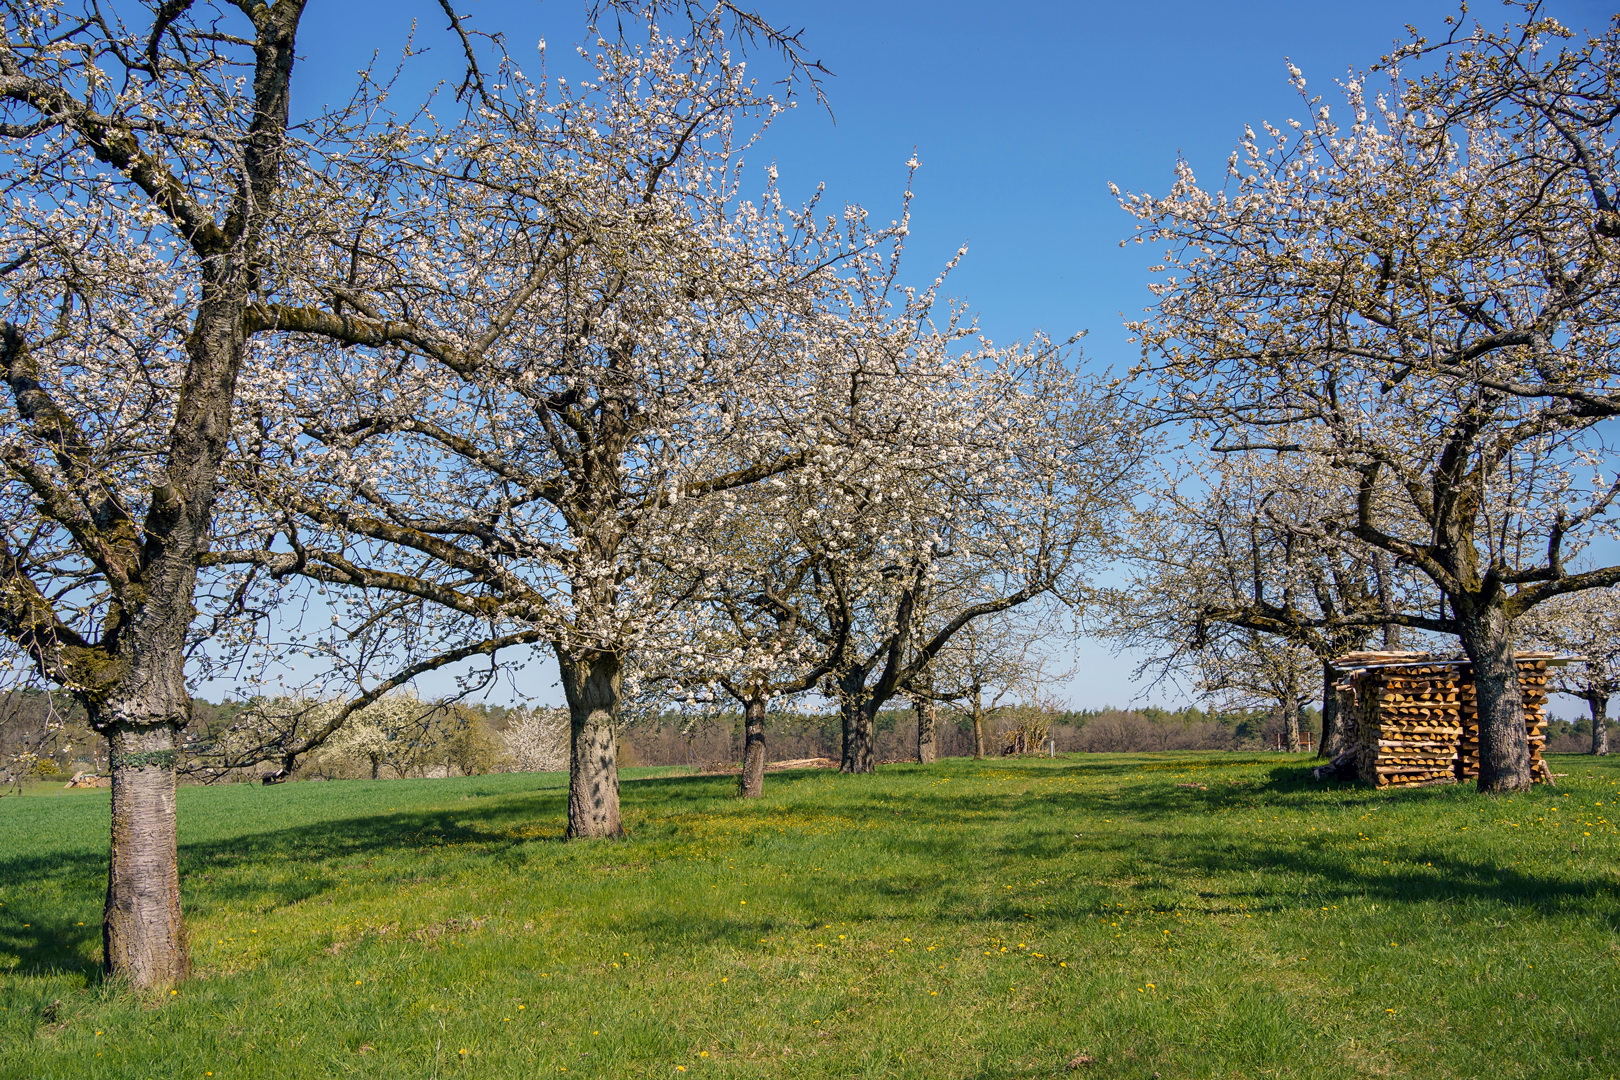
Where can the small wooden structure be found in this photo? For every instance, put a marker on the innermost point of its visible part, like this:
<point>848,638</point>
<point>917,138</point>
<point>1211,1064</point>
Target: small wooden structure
<point>1417,718</point>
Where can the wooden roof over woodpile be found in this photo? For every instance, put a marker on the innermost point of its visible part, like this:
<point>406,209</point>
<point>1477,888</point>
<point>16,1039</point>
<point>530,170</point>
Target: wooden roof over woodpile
<point>1351,663</point>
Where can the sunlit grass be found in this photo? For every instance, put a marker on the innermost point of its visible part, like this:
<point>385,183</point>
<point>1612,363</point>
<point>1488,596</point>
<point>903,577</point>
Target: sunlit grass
<point>1180,915</point>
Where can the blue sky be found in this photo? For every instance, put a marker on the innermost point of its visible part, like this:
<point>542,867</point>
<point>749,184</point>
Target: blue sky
<point>1021,112</point>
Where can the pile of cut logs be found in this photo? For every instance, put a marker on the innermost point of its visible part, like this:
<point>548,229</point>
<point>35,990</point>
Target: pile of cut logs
<point>1417,717</point>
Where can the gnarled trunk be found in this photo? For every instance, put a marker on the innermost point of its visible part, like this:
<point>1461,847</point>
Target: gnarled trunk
<point>143,935</point>
<point>860,726</point>
<point>860,738</point>
<point>591,682</point>
<point>927,731</point>
<point>751,783</point>
<point>1504,748</point>
<point>1599,705</point>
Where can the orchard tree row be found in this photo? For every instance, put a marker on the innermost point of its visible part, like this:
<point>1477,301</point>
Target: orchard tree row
<point>398,387</point>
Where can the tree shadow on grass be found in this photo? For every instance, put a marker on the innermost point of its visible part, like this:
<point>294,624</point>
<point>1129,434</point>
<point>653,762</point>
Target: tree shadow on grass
<point>295,857</point>
<point>52,946</point>
<point>492,831</point>
<point>1057,831</point>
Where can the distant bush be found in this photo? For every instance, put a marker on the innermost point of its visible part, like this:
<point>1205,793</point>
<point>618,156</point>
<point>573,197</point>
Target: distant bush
<point>42,768</point>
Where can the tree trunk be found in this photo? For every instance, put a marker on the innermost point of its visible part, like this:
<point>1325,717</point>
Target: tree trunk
<point>1291,710</point>
<point>131,680</point>
<point>591,683</point>
<point>1504,749</point>
<point>143,936</point>
<point>927,731</point>
<point>751,784</point>
<point>376,766</point>
<point>860,726</point>
<point>1599,704</point>
<point>1334,740</point>
<point>860,739</point>
<point>978,726</point>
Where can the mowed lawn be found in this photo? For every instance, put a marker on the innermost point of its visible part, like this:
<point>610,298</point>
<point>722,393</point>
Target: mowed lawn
<point>1177,915</point>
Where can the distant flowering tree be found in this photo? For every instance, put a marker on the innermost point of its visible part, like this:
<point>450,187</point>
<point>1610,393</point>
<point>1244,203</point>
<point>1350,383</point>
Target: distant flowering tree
<point>1007,493</point>
<point>1585,625</point>
<point>1252,546</point>
<point>740,633</point>
<point>992,664</point>
<point>536,740</point>
<point>398,732</point>
<point>617,345</point>
<point>970,480</point>
<point>1421,297</point>
<point>1249,669</point>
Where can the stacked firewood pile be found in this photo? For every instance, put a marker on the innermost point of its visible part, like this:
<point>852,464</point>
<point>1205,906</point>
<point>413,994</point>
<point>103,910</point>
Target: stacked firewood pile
<point>1533,689</point>
<point>1417,717</point>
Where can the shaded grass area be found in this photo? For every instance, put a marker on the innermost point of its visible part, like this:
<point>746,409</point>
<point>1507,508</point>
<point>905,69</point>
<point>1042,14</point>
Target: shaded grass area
<point>1181,915</point>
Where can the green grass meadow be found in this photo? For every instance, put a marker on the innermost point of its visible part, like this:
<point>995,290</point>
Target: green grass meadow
<point>1176,915</point>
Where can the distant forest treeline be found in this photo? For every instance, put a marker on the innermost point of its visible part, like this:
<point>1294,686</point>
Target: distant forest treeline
<point>714,738</point>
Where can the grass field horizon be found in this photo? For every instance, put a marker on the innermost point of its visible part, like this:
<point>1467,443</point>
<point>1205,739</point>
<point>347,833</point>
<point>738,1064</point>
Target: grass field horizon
<point>1176,915</point>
